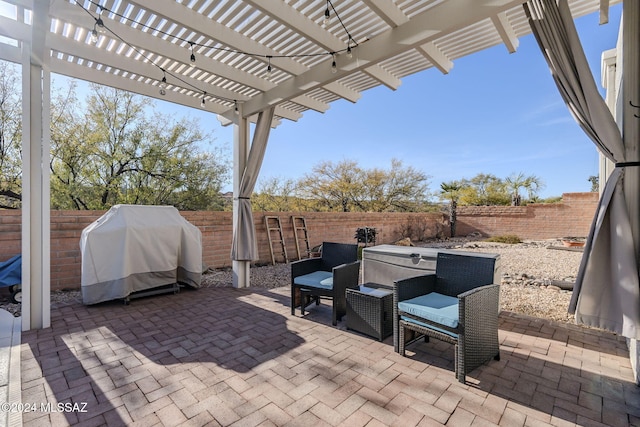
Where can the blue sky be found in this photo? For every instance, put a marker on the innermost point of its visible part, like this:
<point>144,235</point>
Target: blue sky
<point>494,112</point>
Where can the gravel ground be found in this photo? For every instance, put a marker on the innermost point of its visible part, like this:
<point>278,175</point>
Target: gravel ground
<point>533,275</point>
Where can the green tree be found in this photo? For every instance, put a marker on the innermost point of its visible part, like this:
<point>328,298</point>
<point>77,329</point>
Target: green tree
<point>595,183</point>
<point>346,187</point>
<point>398,189</point>
<point>483,190</point>
<point>10,138</point>
<point>331,185</point>
<point>531,184</point>
<point>450,191</point>
<point>275,194</point>
<point>113,151</point>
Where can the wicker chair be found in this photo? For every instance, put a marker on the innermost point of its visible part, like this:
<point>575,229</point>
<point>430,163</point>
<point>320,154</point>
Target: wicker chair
<point>458,304</point>
<point>329,276</point>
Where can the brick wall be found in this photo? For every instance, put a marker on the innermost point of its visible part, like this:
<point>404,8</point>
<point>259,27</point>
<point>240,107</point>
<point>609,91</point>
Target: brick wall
<point>216,228</point>
<point>570,218</point>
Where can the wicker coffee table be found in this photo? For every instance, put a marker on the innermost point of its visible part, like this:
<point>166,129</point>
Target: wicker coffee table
<point>370,310</point>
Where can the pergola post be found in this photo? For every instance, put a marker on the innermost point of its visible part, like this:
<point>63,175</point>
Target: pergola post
<point>631,134</point>
<point>36,265</point>
<point>609,76</point>
<point>241,276</point>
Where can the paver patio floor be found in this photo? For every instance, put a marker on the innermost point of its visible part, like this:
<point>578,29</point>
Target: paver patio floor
<point>224,356</point>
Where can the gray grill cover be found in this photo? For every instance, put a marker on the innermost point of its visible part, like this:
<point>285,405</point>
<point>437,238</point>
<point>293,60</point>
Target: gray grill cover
<point>137,248</point>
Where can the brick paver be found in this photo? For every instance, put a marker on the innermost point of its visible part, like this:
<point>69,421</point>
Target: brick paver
<point>224,356</point>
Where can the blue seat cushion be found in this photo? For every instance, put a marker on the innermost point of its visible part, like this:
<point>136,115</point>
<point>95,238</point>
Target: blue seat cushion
<point>317,279</point>
<point>435,307</point>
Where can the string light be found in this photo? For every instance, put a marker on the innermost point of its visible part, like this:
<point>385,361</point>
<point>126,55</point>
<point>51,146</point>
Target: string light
<point>268,73</point>
<point>192,59</point>
<point>352,43</point>
<point>99,22</point>
<point>94,34</point>
<point>327,15</point>
<point>203,103</point>
<point>100,28</point>
<point>163,84</point>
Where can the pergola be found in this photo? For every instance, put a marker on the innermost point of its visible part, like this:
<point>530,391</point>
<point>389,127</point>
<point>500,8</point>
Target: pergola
<point>246,61</point>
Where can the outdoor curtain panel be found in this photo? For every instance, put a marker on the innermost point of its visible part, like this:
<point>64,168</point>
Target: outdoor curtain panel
<point>606,293</point>
<point>244,246</point>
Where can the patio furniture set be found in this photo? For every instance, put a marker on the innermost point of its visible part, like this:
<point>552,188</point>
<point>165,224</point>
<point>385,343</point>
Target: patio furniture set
<point>410,293</point>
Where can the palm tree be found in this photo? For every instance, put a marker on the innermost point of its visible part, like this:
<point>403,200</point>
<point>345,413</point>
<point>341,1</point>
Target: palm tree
<point>451,191</point>
<point>532,184</point>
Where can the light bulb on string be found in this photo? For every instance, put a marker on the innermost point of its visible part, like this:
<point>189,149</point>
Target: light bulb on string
<point>94,34</point>
<point>192,59</point>
<point>100,28</point>
<point>100,23</point>
<point>327,16</point>
<point>269,70</point>
<point>163,84</point>
<point>203,102</point>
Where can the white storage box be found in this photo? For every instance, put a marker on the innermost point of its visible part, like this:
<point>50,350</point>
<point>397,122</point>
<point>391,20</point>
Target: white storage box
<point>384,264</point>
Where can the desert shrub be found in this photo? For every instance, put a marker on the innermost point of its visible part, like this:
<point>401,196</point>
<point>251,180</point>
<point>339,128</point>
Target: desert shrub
<point>506,238</point>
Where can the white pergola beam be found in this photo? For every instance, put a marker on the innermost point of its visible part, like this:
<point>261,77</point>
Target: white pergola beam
<point>604,12</point>
<point>384,77</point>
<point>198,23</point>
<point>68,69</point>
<point>506,32</point>
<point>10,53</point>
<point>311,103</point>
<point>15,30</point>
<point>231,116</point>
<point>436,57</point>
<point>145,41</point>
<point>153,44</point>
<point>114,60</point>
<point>343,92</point>
<point>441,19</point>
<point>124,63</point>
<point>388,12</point>
<point>298,22</point>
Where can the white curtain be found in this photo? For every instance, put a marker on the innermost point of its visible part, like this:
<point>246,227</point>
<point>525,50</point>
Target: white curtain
<point>244,246</point>
<point>607,290</point>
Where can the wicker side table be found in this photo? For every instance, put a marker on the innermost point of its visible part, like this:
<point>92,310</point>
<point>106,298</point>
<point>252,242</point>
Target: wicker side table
<point>370,310</point>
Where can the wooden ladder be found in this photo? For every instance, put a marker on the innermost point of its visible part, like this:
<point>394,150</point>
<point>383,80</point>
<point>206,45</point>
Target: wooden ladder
<point>272,224</point>
<point>300,224</point>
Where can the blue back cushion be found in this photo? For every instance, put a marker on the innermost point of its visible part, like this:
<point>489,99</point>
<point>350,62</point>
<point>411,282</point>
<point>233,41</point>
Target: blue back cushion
<point>335,254</point>
<point>460,273</point>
